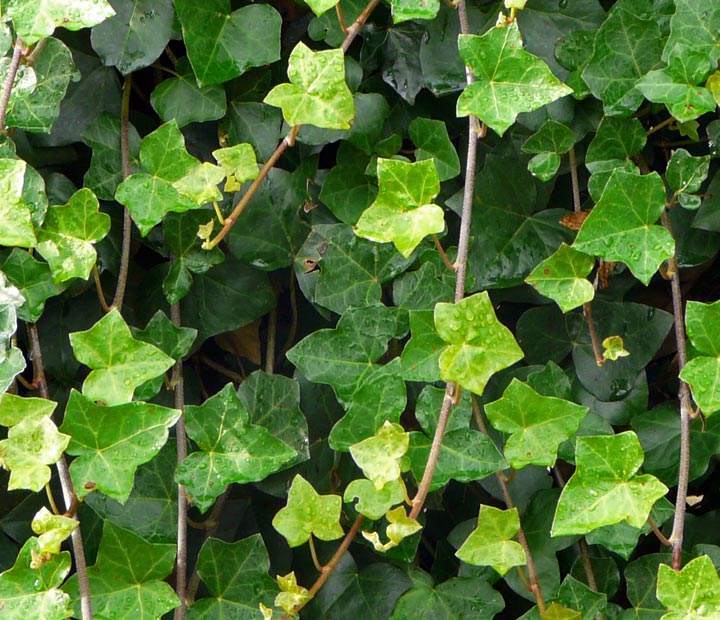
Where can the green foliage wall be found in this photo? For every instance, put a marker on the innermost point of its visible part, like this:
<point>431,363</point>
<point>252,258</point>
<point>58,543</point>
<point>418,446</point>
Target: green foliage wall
<point>398,310</point>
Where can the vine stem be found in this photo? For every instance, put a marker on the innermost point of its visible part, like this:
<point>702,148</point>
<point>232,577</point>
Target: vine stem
<point>182,507</point>
<point>68,489</point>
<point>676,537</point>
<point>18,51</point>
<point>328,569</point>
<point>503,482</point>
<point>451,389</point>
<point>127,220</point>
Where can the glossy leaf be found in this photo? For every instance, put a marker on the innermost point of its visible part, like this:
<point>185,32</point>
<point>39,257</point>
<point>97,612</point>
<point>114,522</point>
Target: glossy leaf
<point>161,332</point>
<point>127,579</point>
<point>537,424</point>
<point>685,174</point>
<point>136,35</point>
<point>702,372</point>
<point>308,514</point>
<point>552,137</point>
<point>431,141</point>
<point>239,164</point>
<point>373,502</point>
<point>119,362</point>
<point>379,456</point>
<point>622,227</point>
<point>231,448</point>
<point>111,442</point>
<point>421,353</point>
<point>52,530</point>
<point>16,228</point>
<point>605,488</point>
<point>37,19</point>
<point>693,592</point>
<point>509,80</point>
<point>399,527</point>
<point>34,281</point>
<point>223,45</point>
<point>291,594</point>
<point>695,22</point>
<point>478,344</point>
<point>614,348</point>
<point>402,212</point>
<point>66,239</point>
<point>404,10</point>
<point>33,441</point>
<point>490,542</point>
<point>317,93</point>
<point>236,575</point>
<point>27,592</point>
<point>563,278</point>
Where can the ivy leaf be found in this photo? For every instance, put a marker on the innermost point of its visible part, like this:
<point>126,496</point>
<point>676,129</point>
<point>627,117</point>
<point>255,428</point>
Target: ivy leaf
<point>52,530</point>
<point>537,424</point>
<point>371,501</point>
<point>685,174</point>
<point>27,592</point>
<point>231,448</point>
<point>702,372</point>
<point>405,10</point>
<point>120,363</point>
<point>509,80</point>
<point>308,514</point>
<point>490,542</point>
<point>676,84</point>
<point>478,344</point>
<point>552,137</point>
<point>431,141</point>
<point>400,526</point>
<point>321,6</point>
<point>33,441</point>
<point>127,579</point>
<point>317,93</point>
<point>621,225</point>
<point>379,456</point>
<point>693,592</point>
<point>236,576</point>
<point>223,45</point>
<point>66,239</point>
<point>291,594</point>
<point>402,212</point>
<point>180,98</point>
<point>136,35</point>
<point>239,164</point>
<point>627,45</point>
<point>37,19</point>
<point>111,442</point>
<point>698,23</point>
<point>16,227</point>
<point>604,488</point>
<point>614,348</point>
<point>34,281</point>
<point>420,356</point>
<point>455,599</point>
<point>161,332</point>
<point>563,278</point>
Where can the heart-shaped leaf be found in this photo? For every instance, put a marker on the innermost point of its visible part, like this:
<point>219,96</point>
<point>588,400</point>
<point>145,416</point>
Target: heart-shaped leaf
<point>693,592</point>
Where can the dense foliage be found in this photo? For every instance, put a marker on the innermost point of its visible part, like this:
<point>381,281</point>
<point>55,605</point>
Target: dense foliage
<point>390,311</point>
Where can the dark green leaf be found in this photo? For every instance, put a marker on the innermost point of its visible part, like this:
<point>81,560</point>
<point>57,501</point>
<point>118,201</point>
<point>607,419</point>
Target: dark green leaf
<point>34,281</point>
<point>431,141</point>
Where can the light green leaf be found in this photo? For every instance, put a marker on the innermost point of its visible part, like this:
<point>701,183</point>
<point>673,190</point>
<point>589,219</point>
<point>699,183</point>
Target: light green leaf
<point>431,141</point>
<point>291,594</point>
<point>677,84</point>
<point>402,212</point>
<point>27,592</point>
<point>614,348</point>
<point>702,373</point>
<point>37,19</point>
<point>563,278</point>
<point>627,45</point>
<point>537,424</point>
<point>604,488</point>
<point>200,184</point>
<point>405,10</point>
<point>16,227</point>
<point>52,530</point>
<point>13,363</point>
<point>379,456</point>
<point>34,281</point>
<point>621,225</point>
<point>308,514</point>
<point>236,576</point>
<point>111,442</point>
<point>231,448</point>
<point>558,612</point>
<point>223,45</point>
<point>490,542</point>
<point>320,6</point>
<point>373,502</point>
<point>66,239</point>
<point>180,98</point>
<point>478,344</point>
<point>239,164</point>
<point>127,579</point>
<point>33,441</point>
<point>509,80</point>
<point>119,362</point>
<point>692,593</point>
<point>400,526</point>
<point>317,93</point>
<point>37,110</point>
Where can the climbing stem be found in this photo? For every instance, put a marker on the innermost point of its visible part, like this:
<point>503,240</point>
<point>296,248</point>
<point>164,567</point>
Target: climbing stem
<point>18,51</point>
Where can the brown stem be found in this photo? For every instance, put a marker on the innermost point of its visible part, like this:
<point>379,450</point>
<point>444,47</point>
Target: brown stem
<point>294,316</point>
<point>66,483</point>
<point>270,347</point>
<point>328,569</point>
<point>574,178</point>
<point>18,51</point>
<point>587,311</point>
<point>676,537</point>
<point>341,17</point>
<point>354,29</point>
<point>230,374</point>
<point>99,289</point>
<point>441,251</point>
<point>656,530</point>
<point>182,507</point>
<point>127,220</point>
<point>659,126</point>
<point>587,565</point>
